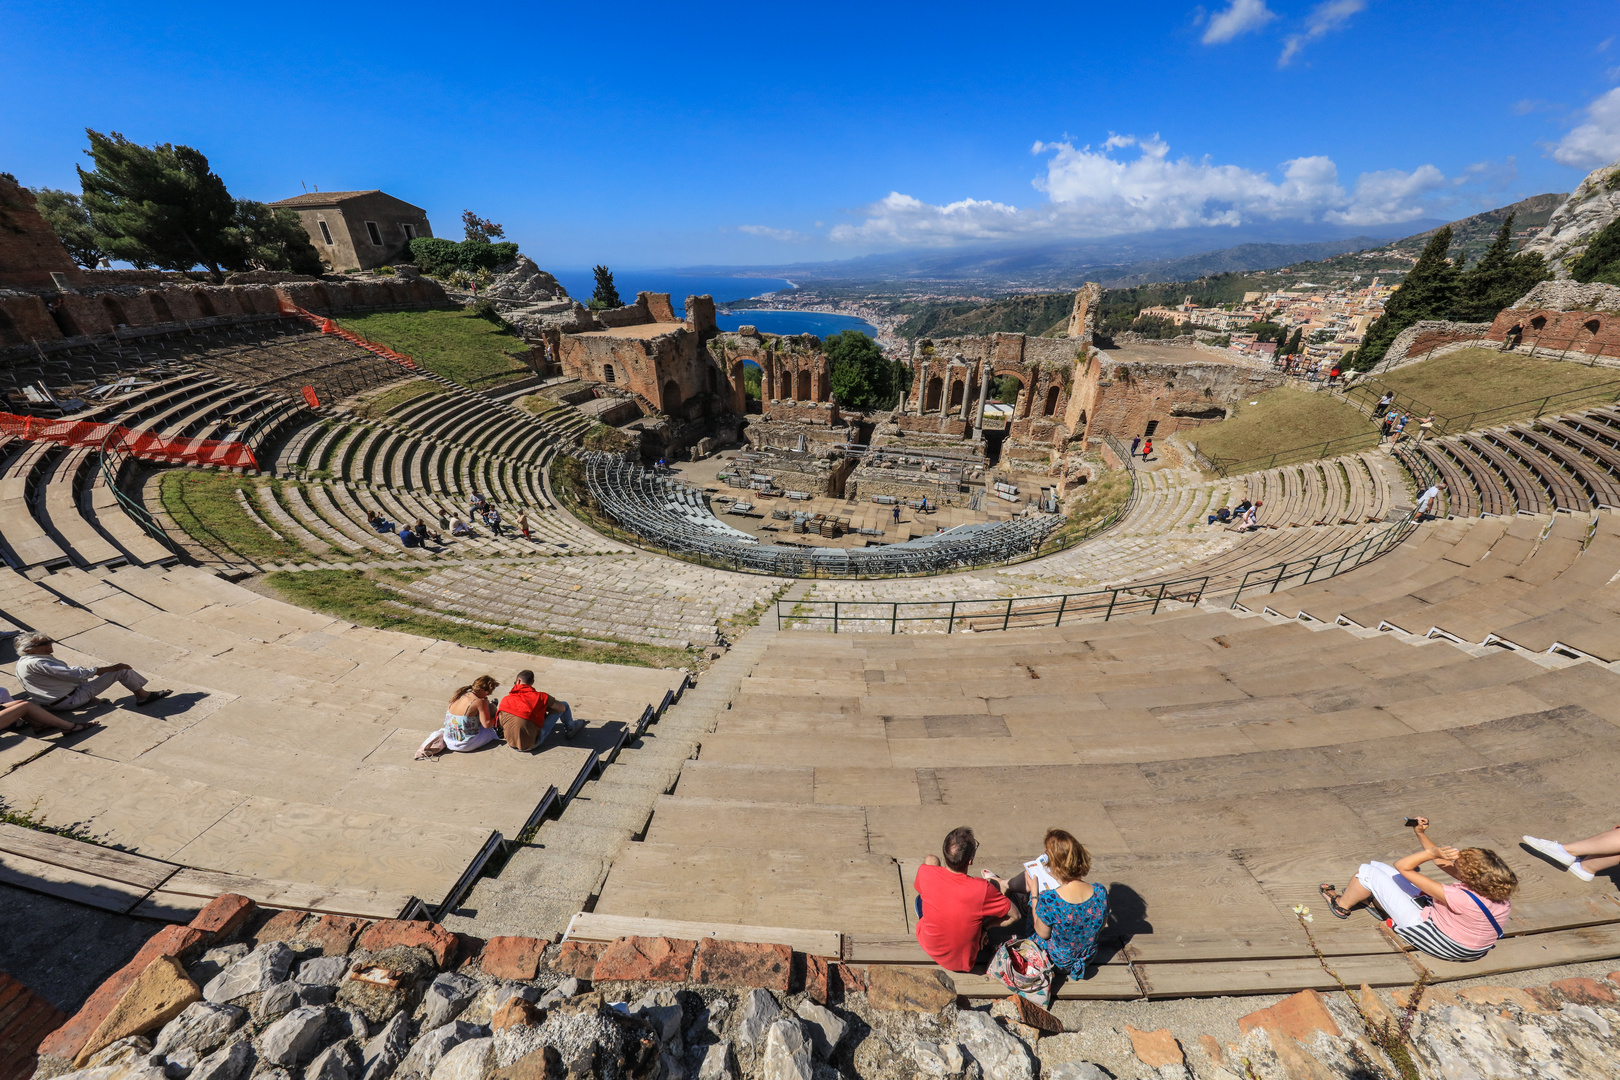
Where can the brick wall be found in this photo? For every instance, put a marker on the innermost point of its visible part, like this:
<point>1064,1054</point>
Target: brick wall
<point>29,249</point>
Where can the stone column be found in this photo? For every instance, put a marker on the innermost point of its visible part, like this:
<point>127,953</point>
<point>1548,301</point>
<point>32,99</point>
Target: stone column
<point>984,393</point>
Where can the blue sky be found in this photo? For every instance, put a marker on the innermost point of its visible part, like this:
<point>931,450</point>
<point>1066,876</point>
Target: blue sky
<point>676,135</point>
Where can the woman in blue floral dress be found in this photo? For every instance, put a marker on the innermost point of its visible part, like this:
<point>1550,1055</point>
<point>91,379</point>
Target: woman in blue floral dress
<point>1069,917</point>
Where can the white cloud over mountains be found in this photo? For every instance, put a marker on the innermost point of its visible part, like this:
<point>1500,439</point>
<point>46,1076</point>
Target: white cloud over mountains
<point>1093,193</point>
<point>1596,141</point>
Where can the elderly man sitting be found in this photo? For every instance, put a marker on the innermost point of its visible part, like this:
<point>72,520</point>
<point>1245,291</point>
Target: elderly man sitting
<point>58,685</point>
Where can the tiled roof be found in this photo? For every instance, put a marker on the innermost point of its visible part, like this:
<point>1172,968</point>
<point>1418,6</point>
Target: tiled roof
<point>323,198</point>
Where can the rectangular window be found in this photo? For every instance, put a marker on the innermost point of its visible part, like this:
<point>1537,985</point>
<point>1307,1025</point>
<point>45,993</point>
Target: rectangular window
<point>326,234</point>
<point>372,231</point>
<point>410,231</point>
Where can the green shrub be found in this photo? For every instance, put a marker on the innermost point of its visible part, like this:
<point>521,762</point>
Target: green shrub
<point>479,255</point>
<point>436,257</point>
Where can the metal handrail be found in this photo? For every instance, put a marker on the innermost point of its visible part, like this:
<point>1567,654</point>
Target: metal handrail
<point>111,462</point>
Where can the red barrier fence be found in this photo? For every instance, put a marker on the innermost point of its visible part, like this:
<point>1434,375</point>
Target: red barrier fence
<point>142,444</point>
<point>309,396</point>
<point>327,326</point>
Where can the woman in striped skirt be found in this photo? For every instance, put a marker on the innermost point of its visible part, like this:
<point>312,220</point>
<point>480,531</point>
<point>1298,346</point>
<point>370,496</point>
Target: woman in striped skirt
<point>1454,921</point>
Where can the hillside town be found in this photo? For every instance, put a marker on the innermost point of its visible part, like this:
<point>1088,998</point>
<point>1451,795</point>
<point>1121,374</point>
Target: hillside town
<point>1332,321</point>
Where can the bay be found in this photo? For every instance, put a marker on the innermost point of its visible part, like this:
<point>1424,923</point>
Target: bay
<point>582,283</point>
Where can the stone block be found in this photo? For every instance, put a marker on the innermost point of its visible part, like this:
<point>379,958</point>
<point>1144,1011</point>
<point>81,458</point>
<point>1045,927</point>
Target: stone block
<point>158,995</point>
<point>1433,996</point>
<point>1212,1048</point>
<point>517,1013</point>
<point>892,988</point>
<point>1156,1048</point>
<point>826,1028</point>
<point>542,1064</point>
<point>743,964</point>
<point>573,959</point>
<point>282,926</point>
<point>1297,1063</point>
<point>293,1039</point>
<point>787,1053</point>
<point>333,934</point>
<point>1583,991</point>
<point>818,976</point>
<point>1300,1016</point>
<point>66,1041</point>
<point>1502,995</point>
<point>387,933</point>
<point>512,957</point>
<point>203,1027</point>
<point>641,959</point>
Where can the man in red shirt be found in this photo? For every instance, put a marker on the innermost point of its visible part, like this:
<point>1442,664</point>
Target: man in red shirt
<point>527,716</point>
<point>955,911</point>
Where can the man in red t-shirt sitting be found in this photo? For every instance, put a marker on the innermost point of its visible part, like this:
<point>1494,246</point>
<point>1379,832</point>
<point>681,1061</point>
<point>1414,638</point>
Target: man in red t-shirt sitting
<point>527,716</point>
<point>955,911</point>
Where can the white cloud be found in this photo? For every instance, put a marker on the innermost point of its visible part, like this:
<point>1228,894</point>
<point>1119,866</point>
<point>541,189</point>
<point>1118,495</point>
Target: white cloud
<point>766,231</point>
<point>1241,18</point>
<point>1323,20</point>
<point>1093,193</point>
<point>1597,141</point>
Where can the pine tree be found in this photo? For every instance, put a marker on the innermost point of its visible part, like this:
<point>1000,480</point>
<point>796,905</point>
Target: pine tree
<point>158,206</point>
<point>1601,259</point>
<point>273,238</point>
<point>1498,279</point>
<point>1429,292</point>
<point>606,295</point>
<point>65,213</point>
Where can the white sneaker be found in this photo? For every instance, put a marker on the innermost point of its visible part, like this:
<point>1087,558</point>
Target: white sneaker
<point>1552,849</point>
<point>1580,871</point>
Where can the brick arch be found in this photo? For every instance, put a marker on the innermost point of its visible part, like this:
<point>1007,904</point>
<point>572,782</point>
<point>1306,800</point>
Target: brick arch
<point>1053,394</point>
<point>932,392</point>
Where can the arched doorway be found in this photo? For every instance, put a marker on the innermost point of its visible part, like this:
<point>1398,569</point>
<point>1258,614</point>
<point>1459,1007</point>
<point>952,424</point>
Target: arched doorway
<point>672,397</point>
<point>958,388</point>
<point>804,386</point>
<point>607,372</point>
<point>1052,396</point>
<point>936,386</point>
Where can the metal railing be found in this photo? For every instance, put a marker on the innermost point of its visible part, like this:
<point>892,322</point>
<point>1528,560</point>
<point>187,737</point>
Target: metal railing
<point>111,458</point>
<point>947,615</point>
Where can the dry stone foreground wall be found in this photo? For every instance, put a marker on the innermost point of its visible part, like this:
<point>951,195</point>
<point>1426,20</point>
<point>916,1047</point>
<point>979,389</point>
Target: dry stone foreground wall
<point>243,992</point>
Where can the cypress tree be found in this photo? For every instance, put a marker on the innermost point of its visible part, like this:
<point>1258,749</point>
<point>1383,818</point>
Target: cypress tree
<point>606,294</point>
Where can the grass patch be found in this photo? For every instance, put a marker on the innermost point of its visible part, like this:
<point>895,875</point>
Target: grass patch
<point>1102,496</point>
<point>358,598</point>
<point>608,440</point>
<point>204,505</point>
<point>1283,420</point>
<point>456,344</point>
<point>1482,380</point>
<point>538,403</point>
<point>392,398</point>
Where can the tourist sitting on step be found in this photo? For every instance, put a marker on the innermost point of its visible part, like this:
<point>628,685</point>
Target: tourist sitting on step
<point>424,534</point>
<point>60,686</point>
<point>479,503</point>
<point>469,719</point>
<point>1251,517</point>
<point>1583,858</point>
<point>1449,922</point>
<point>42,720</point>
<point>955,911</point>
<point>1068,911</point>
<point>460,528</point>
<point>378,522</point>
<point>1223,516</point>
<point>409,538</point>
<point>527,716</point>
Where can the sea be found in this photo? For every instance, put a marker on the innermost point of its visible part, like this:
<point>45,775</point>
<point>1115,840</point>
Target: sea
<point>582,283</point>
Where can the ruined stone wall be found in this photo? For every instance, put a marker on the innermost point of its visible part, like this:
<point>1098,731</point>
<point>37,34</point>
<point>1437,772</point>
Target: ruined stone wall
<point>1083,319</point>
<point>807,414</point>
<point>948,373</point>
<point>1127,396</point>
<point>1564,317</point>
<point>29,249</point>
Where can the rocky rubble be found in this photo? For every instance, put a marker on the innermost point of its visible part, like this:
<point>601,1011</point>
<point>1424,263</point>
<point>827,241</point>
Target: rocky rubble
<point>302,997</point>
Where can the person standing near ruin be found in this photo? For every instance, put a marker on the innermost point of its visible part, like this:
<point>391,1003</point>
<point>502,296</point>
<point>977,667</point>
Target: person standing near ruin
<point>1134,444</point>
<point>1147,449</point>
<point>1429,501</point>
<point>1383,404</point>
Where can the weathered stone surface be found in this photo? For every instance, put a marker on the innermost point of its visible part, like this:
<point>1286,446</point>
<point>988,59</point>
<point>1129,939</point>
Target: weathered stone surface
<point>825,1027</point>
<point>512,957</point>
<point>282,926</point>
<point>662,1012</point>
<point>158,995</point>
<point>389,933</point>
<point>1001,1055</point>
<point>1212,1047</point>
<point>425,1055</point>
<point>542,1064</point>
<point>340,1061</point>
<point>256,972</point>
<point>938,1059</point>
<point>818,976</point>
<point>759,1012</point>
<point>446,997</point>
<point>743,964</point>
<point>641,959</point>
<point>1076,1070</point>
<point>215,961</point>
<point>1433,996</point>
<point>66,1041</point>
<point>224,915</point>
<point>1583,991</point>
<point>562,992</point>
<point>471,1060</point>
<point>517,1013</point>
<point>410,968</point>
<point>1501,995</point>
<point>294,1038</point>
<point>333,934</point>
<point>227,1063</point>
<point>921,990</point>
<point>574,959</point>
<point>384,1051</point>
<point>322,971</point>
<point>1300,1017</point>
<point>1156,1048</point>
<point>276,1002</point>
<point>787,1053</point>
<point>719,1062</point>
<point>1575,223</point>
<point>1018,1009</point>
<point>316,995</point>
<point>203,1026</point>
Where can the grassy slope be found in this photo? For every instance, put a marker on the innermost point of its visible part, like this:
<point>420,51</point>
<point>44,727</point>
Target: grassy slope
<point>456,344</point>
<point>395,396</point>
<point>1283,420</point>
<point>204,505</point>
<point>1473,380</point>
<point>358,598</point>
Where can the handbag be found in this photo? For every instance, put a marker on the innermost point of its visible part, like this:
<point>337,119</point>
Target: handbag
<point>1026,969</point>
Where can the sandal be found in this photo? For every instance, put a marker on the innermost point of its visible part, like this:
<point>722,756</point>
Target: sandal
<point>86,726</point>
<point>1330,893</point>
<point>155,695</point>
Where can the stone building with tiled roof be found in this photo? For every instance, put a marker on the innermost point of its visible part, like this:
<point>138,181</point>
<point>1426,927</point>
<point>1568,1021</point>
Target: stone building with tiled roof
<point>359,230</point>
